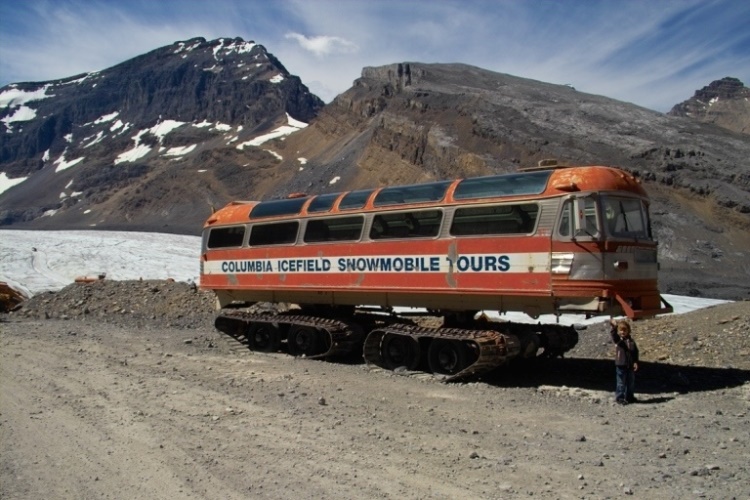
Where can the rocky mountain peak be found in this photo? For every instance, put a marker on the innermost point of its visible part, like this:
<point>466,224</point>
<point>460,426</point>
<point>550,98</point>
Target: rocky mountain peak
<point>726,88</point>
<point>724,102</point>
<point>77,146</point>
<point>227,80</point>
<point>399,75</point>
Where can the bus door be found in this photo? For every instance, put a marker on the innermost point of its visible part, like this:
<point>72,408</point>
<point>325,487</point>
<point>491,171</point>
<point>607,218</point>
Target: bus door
<point>576,258</point>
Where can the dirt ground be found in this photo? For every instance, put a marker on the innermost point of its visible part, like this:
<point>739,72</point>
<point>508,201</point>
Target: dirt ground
<point>110,404</point>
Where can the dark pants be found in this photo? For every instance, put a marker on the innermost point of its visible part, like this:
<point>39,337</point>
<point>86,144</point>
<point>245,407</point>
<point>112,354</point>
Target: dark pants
<point>625,390</point>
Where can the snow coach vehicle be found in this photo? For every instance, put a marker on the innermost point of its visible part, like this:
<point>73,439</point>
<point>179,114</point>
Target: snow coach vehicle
<point>548,239</point>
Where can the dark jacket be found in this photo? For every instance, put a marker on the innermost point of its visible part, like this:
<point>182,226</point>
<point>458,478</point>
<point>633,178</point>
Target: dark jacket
<point>626,351</point>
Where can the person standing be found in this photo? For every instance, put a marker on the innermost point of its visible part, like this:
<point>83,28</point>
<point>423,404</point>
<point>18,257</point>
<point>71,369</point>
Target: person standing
<point>626,361</point>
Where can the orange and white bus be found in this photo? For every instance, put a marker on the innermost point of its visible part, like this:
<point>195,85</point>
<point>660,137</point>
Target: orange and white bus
<point>547,240</point>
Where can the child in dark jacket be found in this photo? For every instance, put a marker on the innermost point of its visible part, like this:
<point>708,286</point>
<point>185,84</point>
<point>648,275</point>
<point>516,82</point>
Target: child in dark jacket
<point>626,361</point>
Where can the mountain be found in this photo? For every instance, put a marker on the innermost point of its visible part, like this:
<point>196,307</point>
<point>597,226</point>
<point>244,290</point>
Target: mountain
<point>110,148</point>
<point>725,102</point>
<point>397,124</point>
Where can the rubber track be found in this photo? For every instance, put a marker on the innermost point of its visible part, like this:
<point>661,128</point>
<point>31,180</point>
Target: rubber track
<point>494,348</point>
<point>343,337</point>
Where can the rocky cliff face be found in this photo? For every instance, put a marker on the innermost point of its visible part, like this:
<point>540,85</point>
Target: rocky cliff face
<point>724,102</point>
<point>454,120</point>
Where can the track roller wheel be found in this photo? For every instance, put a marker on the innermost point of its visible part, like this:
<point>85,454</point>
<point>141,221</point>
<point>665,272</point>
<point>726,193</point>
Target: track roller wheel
<point>448,357</point>
<point>306,340</point>
<point>263,337</point>
<point>400,350</point>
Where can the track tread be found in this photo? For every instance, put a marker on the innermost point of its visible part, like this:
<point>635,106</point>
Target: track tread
<point>496,343</point>
<point>494,348</point>
<point>344,337</point>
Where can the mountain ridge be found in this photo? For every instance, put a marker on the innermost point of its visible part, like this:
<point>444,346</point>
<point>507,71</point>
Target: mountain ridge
<point>724,102</point>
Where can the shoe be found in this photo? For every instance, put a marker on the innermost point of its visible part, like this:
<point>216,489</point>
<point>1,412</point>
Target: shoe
<point>622,402</point>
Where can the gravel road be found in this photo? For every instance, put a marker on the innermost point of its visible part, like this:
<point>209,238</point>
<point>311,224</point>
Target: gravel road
<point>135,395</point>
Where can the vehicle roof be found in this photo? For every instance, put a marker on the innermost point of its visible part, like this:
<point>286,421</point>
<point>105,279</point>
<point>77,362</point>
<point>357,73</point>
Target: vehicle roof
<point>534,183</point>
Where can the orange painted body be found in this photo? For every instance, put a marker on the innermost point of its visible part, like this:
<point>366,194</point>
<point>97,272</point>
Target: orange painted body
<point>538,271</point>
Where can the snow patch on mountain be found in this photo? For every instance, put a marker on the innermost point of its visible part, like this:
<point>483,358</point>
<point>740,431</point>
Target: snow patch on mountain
<point>163,128</point>
<point>107,118</point>
<point>21,114</point>
<point>63,164</point>
<point>221,127</point>
<point>14,97</point>
<point>138,151</point>
<point>291,127</point>
<point>160,130</point>
<point>7,183</point>
<point>275,154</point>
<point>93,139</point>
<point>181,150</point>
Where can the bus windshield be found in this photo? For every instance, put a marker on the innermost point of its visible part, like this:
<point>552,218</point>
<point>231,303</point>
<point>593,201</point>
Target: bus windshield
<point>625,217</point>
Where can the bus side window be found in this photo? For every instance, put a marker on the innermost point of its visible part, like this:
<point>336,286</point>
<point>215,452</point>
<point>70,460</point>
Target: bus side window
<point>416,224</point>
<point>334,229</point>
<point>226,237</point>
<point>486,220</point>
<point>275,233</point>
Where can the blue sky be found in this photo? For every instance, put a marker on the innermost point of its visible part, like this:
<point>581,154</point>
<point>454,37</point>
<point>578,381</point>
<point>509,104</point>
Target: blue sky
<point>654,53</point>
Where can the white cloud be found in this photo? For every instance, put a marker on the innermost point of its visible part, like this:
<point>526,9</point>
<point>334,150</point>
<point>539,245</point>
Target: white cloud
<point>324,45</point>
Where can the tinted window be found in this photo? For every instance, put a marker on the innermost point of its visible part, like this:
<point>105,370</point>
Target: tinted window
<point>322,203</point>
<point>417,224</point>
<point>418,193</point>
<point>591,227</point>
<point>624,217</point>
<point>277,207</point>
<point>502,185</point>
<point>334,229</point>
<point>498,219</point>
<point>566,222</point>
<point>225,237</point>
<point>355,199</point>
<point>279,233</point>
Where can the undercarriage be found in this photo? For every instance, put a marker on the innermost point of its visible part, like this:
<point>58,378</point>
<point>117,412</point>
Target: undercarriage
<point>461,347</point>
